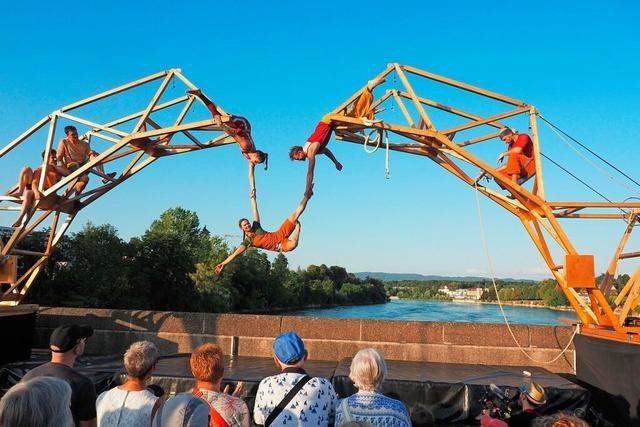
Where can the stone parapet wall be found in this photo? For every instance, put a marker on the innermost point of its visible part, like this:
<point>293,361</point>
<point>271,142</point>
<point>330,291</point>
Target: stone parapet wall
<point>326,339</point>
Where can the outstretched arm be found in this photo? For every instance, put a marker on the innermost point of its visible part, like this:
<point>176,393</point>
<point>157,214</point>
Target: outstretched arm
<point>239,250</point>
<point>252,192</point>
<point>330,155</point>
<point>310,170</point>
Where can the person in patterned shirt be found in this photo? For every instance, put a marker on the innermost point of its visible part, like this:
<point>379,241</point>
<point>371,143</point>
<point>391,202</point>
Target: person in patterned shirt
<point>207,366</point>
<point>367,372</point>
<point>312,405</point>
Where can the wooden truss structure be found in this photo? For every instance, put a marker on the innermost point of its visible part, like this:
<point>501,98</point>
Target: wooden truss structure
<point>132,142</point>
<point>446,135</point>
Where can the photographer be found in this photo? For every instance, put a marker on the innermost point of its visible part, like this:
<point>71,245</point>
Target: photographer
<point>530,399</point>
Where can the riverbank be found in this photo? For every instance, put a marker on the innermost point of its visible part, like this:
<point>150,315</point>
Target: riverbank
<point>520,303</point>
<point>529,304</point>
<point>284,310</point>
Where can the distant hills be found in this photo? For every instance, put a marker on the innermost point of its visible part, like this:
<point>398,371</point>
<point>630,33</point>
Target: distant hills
<point>390,277</point>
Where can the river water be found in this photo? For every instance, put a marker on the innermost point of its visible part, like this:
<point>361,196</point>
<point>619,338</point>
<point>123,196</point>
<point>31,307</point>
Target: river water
<point>444,312</point>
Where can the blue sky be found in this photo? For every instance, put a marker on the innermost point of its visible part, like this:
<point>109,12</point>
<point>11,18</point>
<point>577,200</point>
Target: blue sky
<point>283,65</point>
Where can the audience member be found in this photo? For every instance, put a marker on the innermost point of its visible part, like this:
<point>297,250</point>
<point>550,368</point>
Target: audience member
<point>74,152</point>
<point>531,397</point>
<point>184,410</point>
<point>367,372</point>
<point>357,424</point>
<point>29,182</point>
<point>131,404</point>
<point>293,397</point>
<point>39,402</point>
<point>67,343</point>
<point>421,416</point>
<point>561,419</point>
<point>207,366</point>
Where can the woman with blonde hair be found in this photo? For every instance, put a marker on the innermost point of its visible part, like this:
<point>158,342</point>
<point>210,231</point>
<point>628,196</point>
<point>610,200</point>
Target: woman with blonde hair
<point>368,370</point>
<point>39,402</point>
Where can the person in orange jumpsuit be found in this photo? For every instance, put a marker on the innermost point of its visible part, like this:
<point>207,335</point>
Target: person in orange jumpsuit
<point>285,239</point>
<point>520,164</point>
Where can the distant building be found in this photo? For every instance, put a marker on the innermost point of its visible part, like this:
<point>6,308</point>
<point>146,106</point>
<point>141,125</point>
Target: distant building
<point>473,294</point>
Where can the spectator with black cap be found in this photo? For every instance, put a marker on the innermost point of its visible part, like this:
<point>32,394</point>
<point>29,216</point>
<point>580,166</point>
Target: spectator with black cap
<point>293,397</point>
<point>67,343</point>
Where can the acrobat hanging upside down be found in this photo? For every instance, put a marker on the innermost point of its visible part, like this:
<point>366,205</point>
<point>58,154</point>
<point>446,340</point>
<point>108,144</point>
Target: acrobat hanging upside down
<point>285,239</point>
<point>319,139</point>
<point>238,127</point>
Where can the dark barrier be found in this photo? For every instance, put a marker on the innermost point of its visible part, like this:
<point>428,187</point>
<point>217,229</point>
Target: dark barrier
<point>610,370</point>
<point>17,325</point>
<point>452,392</point>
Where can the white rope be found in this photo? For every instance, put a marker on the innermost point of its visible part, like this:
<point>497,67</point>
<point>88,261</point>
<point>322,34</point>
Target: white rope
<point>387,170</point>
<point>378,140</point>
<point>588,160</point>
<point>495,287</point>
<point>367,138</point>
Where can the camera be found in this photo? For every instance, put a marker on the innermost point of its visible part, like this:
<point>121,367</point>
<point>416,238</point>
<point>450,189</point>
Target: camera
<point>500,403</point>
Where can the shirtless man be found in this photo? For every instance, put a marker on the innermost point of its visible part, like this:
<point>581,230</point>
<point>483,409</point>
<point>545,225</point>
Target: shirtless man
<point>74,152</point>
<point>285,239</point>
<point>29,182</point>
<point>319,139</point>
<point>238,128</point>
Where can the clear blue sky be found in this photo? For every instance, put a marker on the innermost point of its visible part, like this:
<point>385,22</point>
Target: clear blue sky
<point>283,65</point>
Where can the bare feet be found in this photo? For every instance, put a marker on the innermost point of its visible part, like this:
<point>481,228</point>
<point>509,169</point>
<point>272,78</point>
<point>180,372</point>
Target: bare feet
<point>196,92</point>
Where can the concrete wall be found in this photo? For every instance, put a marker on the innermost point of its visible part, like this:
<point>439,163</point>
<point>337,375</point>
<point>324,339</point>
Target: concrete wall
<point>326,339</point>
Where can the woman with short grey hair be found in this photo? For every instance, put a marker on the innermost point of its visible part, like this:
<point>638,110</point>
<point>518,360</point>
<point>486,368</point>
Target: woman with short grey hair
<point>131,404</point>
<point>39,402</point>
<point>368,371</point>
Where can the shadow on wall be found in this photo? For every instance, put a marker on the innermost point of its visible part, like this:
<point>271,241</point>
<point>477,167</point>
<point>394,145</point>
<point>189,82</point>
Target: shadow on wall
<point>117,329</point>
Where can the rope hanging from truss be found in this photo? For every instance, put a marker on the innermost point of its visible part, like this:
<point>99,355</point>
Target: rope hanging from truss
<point>378,139</point>
<point>495,288</point>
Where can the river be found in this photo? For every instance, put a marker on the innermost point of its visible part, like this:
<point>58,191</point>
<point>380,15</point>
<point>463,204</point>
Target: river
<point>443,312</point>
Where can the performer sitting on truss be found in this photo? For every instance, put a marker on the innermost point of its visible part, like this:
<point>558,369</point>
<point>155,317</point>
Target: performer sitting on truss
<point>520,164</point>
<point>29,182</point>
<point>237,127</point>
<point>285,239</point>
<point>74,152</point>
<point>319,139</point>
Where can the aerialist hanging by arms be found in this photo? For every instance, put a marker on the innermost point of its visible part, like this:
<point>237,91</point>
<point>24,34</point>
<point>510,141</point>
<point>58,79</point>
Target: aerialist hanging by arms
<point>237,127</point>
<point>319,139</point>
<point>285,239</point>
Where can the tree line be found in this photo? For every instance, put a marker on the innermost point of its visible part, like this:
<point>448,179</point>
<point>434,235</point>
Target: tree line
<point>546,291</point>
<point>171,267</point>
